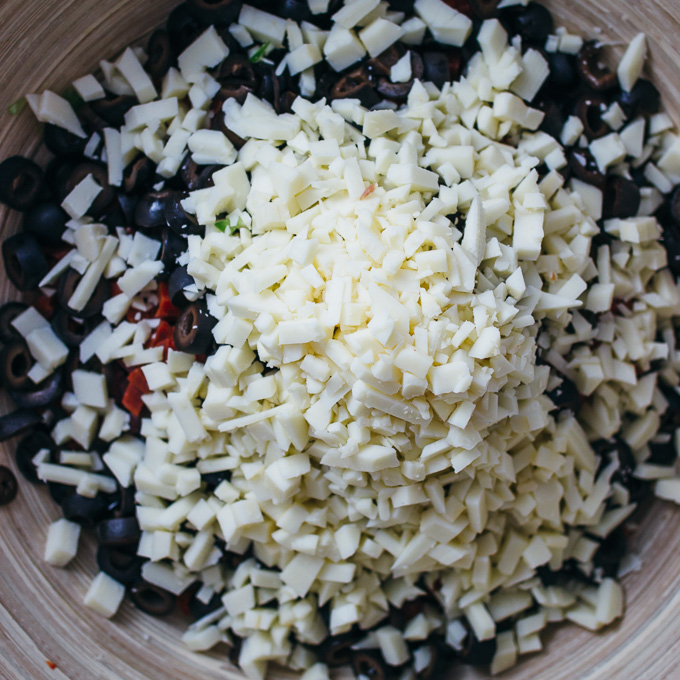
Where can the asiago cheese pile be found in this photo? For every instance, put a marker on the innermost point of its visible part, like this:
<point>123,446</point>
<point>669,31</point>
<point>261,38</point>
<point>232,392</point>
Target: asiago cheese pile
<point>382,289</point>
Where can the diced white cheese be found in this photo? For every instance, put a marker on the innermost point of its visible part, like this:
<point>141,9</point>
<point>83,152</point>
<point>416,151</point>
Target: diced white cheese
<point>62,542</point>
<point>105,595</point>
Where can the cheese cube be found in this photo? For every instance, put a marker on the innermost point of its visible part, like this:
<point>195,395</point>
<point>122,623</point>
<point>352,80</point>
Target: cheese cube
<point>105,595</point>
<point>62,542</point>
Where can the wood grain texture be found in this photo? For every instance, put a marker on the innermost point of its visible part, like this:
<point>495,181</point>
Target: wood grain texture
<point>44,43</point>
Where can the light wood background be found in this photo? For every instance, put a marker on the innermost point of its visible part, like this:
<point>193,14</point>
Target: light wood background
<point>48,43</point>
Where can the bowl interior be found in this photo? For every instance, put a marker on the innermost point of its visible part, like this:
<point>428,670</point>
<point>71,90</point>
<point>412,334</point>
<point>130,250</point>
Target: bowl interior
<point>48,44</point>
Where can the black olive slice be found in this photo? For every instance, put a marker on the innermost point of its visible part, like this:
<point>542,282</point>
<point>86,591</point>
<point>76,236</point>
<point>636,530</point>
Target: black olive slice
<point>61,142</point>
<point>21,182</point>
<point>178,219</point>
<point>47,222</point>
<point>24,261</point>
<point>591,69</point>
<point>8,312</point>
<point>120,565</point>
<point>39,395</point>
<point>160,54</point>
<point>15,363</point>
<point>178,281</point>
<point>18,422</point>
<point>151,599</point>
<point>9,486</point>
<point>621,198</point>
<point>68,283</point>
<point>26,450</point>
<point>150,211</point>
<point>119,531</point>
<point>193,330</point>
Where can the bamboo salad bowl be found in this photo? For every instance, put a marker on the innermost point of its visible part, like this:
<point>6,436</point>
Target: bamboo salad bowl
<point>49,43</point>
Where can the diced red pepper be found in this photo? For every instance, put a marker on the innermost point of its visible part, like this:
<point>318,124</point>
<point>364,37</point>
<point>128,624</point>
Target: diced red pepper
<point>57,252</point>
<point>132,400</point>
<point>462,6</point>
<point>51,665</point>
<point>166,310</point>
<point>45,305</point>
<point>163,336</point>
<point>137,380</point>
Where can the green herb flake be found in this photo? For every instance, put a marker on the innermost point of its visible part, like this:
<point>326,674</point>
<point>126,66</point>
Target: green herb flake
<point>17,107</point>
<point>222,225</point>
<point>259,53</point>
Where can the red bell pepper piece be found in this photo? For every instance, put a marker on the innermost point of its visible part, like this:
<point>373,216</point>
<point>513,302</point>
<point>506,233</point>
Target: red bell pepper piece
<point>166,310</point>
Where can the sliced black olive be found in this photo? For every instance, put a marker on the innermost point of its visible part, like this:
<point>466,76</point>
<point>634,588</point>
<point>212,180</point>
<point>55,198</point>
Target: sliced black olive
<point>563,76</point>
<point>18,422</point>
<point>38,395</point>
<point>151,599</point>
<point>643,99</point>
<point>369,665</point>
<point>100,174</point>
<point>127,204</point>
<point>638,489</point>
<point>214,11</point>
<point>178,219</point>
<point>193,330</point>
<point>534,23</point>
<point>120,565</point>
<point>178,281</point>
<point>9,486</point>
<point>484,9</point>
<point>355,85</point>
<point>119,531</point>
<point>25,263</point>
<point>68,282</point>
<point>671,242</point>
<point>150,211</point>
<point>214,479</point>
<point>593,72</point>
<point>125,502</point>
<point>139,175</point>
<point>26,450</point>
<point>405,6</point>
<point>160,54</point>
<point>674,205</point>
<point>337,650</point>
<point>71,330</point>
<point>57,173</point>
<point>297,10</point>
<point>237,70</point>
<point>61,142</point>
<point>196,176</point>
<point>172,246</point>
<point>566,396</point>
<point>662,453</point>
<point>21,182</point>
<point>437,69</point>
<point>46,221</point>
<point>433,669</point>
<point>383,63</point>
<point>16,362</point>
<point>270,83</point>
<point>476,652</point>
<point>8,312</point>
<point>393,91</point>
<point>584,167</point>
<point>610,553</point>
<point>621,198</point>
<point>199,609</point>
<point>285,102</point>
<point>58,492</point>
<point>554,118</point>
<point>91,121</point>
<point>590,109</point>
<point>112,110</point>
<point>183,27</point>
<point>83,510</point>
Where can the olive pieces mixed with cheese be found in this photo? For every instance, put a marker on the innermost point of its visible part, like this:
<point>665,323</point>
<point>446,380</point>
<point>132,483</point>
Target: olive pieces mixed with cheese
<point>350,327</point>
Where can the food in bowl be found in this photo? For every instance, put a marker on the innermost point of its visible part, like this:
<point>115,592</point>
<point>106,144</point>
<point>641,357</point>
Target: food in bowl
<point>355,328</point>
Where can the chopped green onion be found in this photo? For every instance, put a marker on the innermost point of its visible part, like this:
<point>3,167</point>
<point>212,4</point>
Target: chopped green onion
<point>73,98</point>
<point>223,225</point>
<point>17,107</point>
<point>257,55</point>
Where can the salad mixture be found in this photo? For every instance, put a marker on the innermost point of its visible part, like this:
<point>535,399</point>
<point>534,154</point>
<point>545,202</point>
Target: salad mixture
<point>350,327</point>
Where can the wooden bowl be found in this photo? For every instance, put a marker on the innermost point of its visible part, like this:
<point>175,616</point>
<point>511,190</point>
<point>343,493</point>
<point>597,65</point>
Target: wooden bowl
<point>46,43</point>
